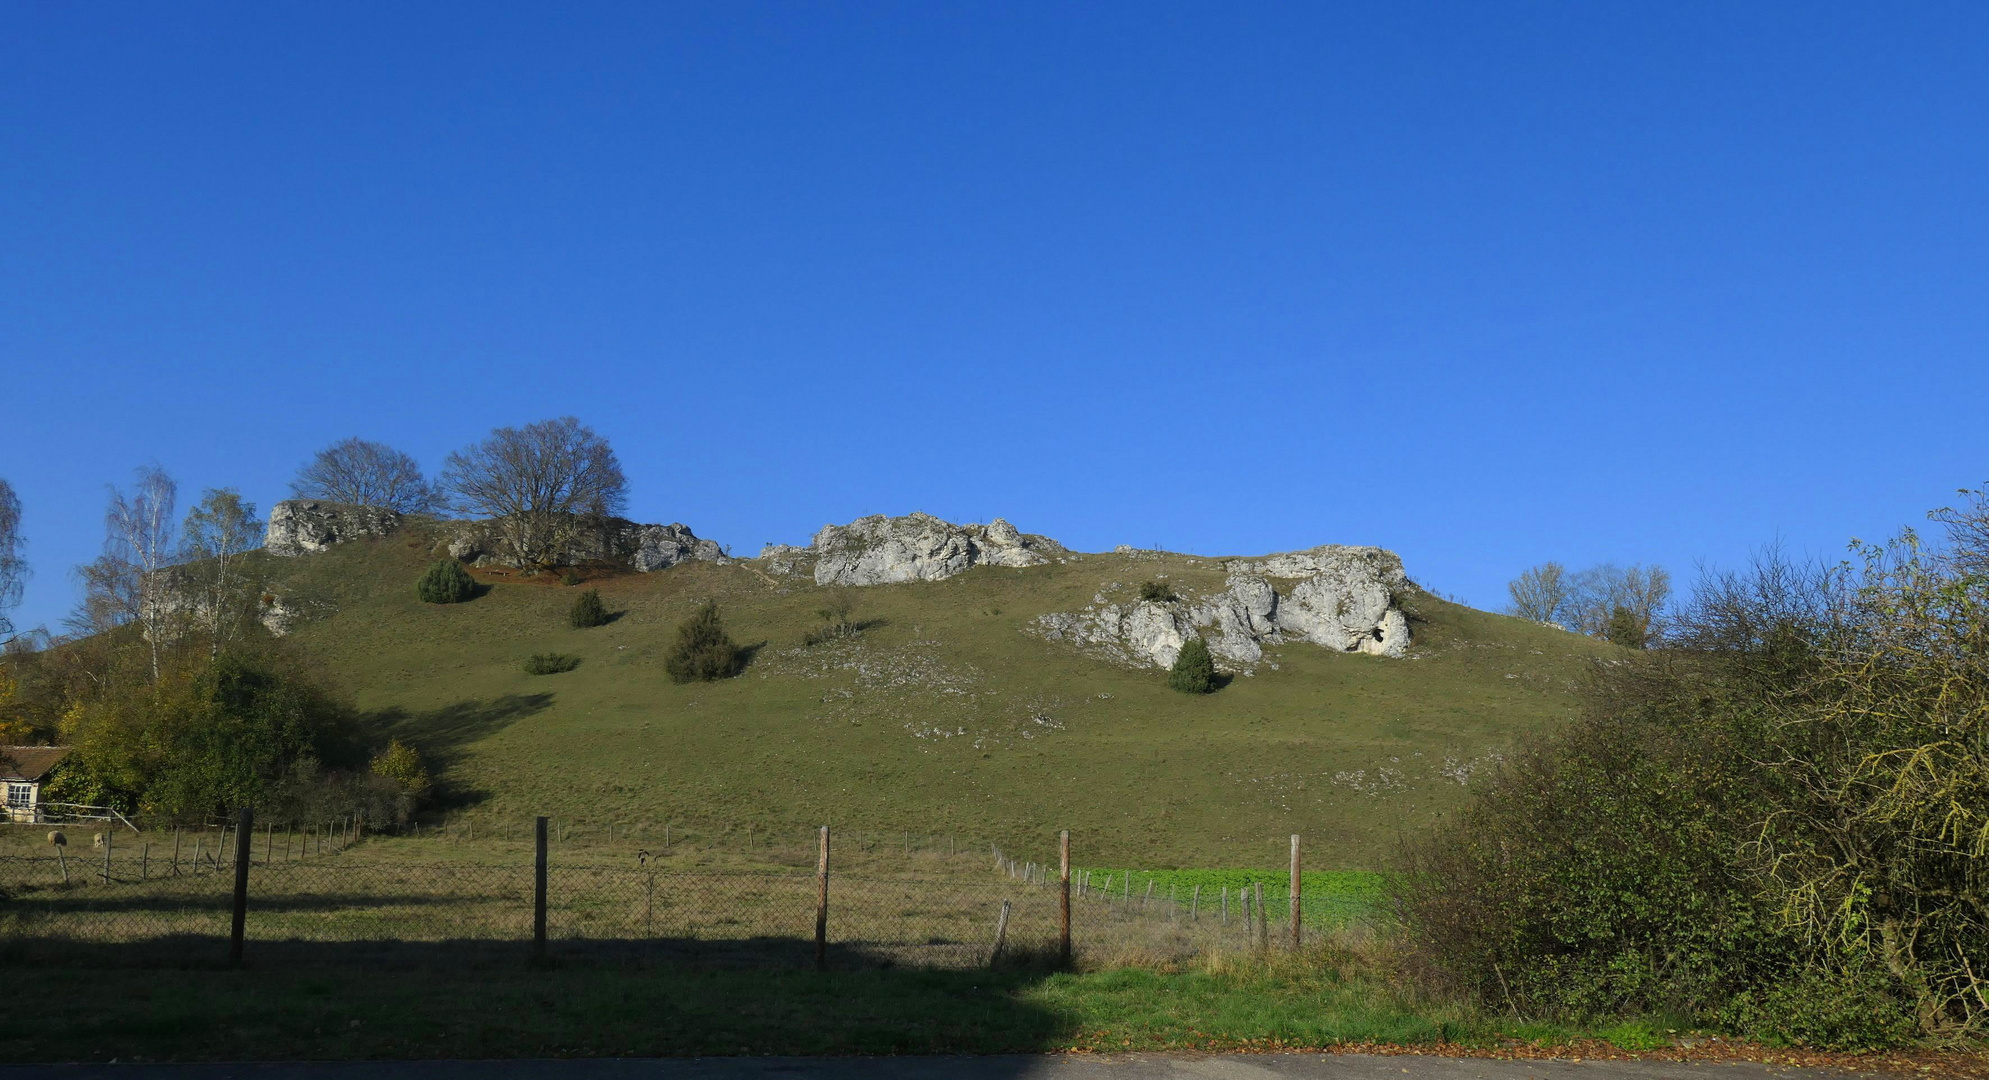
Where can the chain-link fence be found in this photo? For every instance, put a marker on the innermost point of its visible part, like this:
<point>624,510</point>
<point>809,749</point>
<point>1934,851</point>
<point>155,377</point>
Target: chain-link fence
<point>323,902</point>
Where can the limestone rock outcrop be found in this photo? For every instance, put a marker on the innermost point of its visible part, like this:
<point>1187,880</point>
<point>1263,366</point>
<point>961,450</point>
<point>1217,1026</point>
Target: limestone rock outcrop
<point>647,548</point>
<point>303,526</point>
<point>1342,598</point>
<point>879,550</point>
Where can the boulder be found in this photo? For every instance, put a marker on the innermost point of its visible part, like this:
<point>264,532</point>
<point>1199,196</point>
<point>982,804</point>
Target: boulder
<point>879,550</point>
<point>302,526</point>
<point>659,547</point>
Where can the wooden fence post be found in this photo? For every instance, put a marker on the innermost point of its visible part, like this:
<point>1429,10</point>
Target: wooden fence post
<point>107,847</point>
<point>1063,878</point>
<point>822,902</point>
<point>244,836</point>
<point>268,841</point>
<point>145,861</point>
<point>539,895</point>
<point>1195,905</point>
<point>1249,924</point>
<point>1001,933</point>
<point>176,851</point>
<point>1295,885</point>
<point>1263,924</point>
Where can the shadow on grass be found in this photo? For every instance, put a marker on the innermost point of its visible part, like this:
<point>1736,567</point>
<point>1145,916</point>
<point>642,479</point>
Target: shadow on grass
<point>444,735</point>
<point>264,950</point>
<point>484,999</point>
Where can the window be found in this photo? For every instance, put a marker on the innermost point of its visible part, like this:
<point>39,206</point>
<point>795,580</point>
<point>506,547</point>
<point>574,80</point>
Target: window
<point>20,794</point>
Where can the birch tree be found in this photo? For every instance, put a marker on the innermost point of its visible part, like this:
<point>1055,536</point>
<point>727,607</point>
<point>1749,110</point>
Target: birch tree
<point>127,582</point>
<point>218,533</point>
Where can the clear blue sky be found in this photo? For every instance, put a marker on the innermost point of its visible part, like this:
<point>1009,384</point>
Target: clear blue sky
<point>1486,283</point>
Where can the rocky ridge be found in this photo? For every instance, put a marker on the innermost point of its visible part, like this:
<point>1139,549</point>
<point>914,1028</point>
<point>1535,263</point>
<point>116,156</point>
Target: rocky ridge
<point>880,550</point>
<point>305,526</point>
<point>647,548</point>
<point>1342,598</point>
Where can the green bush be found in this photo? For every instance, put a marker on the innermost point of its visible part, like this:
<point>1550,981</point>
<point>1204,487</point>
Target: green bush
<point>1842,1009</point>
<point>704,652</point>
<point>551,663</point>
<point>401,764</point>
<point>1626,628</point>
<point>1159,592</point>
<point>571,577</point>
<point>446,583</point>
<point>1593,876</point>
<point>1194,670</point>
<point>588,610</point>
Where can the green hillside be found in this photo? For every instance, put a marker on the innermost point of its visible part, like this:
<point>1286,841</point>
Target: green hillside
<point>944,716</point>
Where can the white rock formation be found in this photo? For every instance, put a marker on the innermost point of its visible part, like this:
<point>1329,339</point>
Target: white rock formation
<point>301,526</point>
<point>1343,599</point>
<point>879,550</point>
<point>658,547</point>
<point>645,547</point>
<point>786,558</point>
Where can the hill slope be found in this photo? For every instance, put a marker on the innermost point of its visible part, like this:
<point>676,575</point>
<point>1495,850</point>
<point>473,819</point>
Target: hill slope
<point>944,715</point>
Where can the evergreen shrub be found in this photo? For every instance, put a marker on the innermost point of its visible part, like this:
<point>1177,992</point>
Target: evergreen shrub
<point>588,610</point>
<point>704,652</point>
<point>446,582</point>
<point>551,663</point>
<point>1194,670</point>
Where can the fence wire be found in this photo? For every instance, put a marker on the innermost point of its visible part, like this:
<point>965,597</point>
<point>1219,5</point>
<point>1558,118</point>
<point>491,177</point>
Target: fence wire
<point>140,907</point>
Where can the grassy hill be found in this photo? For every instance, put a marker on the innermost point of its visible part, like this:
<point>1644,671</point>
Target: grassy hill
<point>943,716</point>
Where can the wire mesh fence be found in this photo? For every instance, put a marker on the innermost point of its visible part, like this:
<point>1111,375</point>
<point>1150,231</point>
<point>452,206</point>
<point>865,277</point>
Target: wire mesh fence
<point>133,904</point>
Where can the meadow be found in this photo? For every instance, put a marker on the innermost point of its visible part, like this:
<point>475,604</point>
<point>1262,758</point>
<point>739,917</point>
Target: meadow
<point>945,711</point>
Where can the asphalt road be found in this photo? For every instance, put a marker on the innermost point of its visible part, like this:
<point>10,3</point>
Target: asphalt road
<point>996,1067</point>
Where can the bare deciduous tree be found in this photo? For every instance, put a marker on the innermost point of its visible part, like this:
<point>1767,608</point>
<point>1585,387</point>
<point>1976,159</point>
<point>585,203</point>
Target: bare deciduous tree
<point>1589,601</point>
<point>366,474</point>
<point>217,534</point>
<point>542,484</point>
<point>126,584</point>
<point>13,568</point>
<point>1595,594</point>
<point>1539,593</point>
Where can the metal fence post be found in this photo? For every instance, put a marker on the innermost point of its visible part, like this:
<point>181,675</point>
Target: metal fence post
<point>1295,885</point>
<point>539,895</point>
<point>822,903</point>
<point>1063,881</point>
<point>244,836</point>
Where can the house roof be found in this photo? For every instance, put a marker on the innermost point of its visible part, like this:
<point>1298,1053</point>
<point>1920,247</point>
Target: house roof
<point>29,762</point>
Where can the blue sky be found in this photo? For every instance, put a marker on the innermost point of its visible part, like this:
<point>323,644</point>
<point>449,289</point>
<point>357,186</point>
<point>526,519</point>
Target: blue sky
<point>1484,283</point>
